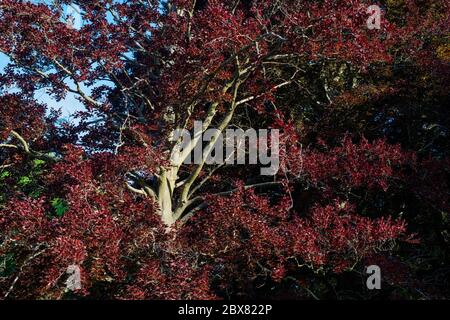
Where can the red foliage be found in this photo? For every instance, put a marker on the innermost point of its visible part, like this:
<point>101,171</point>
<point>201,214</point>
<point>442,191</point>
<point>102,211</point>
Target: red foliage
<point>21,114</point>
<point>366,164</point>
<point>90,193</point>
<point>336,237</point>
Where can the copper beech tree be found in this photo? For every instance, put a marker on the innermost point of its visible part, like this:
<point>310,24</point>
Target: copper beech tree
<point>110,191</point>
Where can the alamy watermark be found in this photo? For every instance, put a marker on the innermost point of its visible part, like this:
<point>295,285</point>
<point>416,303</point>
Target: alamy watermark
<point>73,282</point>
<point>211,146</point>
<point>374,280</point>
<point>374,20</point>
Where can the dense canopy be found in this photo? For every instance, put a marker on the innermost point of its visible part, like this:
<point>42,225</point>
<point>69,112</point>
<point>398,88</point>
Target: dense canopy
<point>363,178</point>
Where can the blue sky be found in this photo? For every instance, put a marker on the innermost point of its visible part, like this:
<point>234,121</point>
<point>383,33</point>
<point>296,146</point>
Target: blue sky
<point>70,104</point>
<point>67,106</point>
<point>3,61</point>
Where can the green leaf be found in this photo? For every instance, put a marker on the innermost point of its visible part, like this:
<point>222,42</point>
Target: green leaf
<point>24,181</point>
<point>38,162</point>
<point>4,175</point>
<point>61,206</point>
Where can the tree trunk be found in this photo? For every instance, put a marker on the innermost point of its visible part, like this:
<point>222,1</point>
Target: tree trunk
<point>165,190</point>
